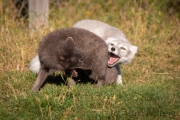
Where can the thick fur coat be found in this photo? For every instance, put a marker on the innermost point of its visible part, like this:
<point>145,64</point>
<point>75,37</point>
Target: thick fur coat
<point>120,49</point>
<point>93,49</point>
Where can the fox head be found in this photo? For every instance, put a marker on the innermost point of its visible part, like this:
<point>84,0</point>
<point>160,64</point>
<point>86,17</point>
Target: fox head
<point>121,52</point>
<point>70,57</point>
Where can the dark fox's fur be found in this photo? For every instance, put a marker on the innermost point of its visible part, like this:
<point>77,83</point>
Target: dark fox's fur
<point>58,54</point>
<point>111,75</point>
<point>72,48</point>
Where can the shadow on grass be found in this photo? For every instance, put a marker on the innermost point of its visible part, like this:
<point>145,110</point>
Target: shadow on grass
<point>83,78</point>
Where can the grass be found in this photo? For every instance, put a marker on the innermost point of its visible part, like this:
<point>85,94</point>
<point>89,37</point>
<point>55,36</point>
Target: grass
<point>151,81</point>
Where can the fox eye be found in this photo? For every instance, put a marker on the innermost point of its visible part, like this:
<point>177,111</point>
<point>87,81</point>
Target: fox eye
<point>123,48</point>
<point>81,60</point>
<point>112,44</point>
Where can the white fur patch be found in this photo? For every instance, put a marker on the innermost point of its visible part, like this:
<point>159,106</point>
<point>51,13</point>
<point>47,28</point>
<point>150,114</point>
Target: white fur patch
<point>109,40</point>
<point>35,64</point>
<point>119,80</point>
<point>134,49</point>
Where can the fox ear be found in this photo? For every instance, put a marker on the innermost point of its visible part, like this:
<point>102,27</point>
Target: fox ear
<point>61,53</point>
<point>69,41</point>
<point>134,49</point>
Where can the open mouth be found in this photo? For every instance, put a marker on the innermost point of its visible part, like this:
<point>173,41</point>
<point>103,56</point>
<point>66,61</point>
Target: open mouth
<point>74,73</point>
<point>113,59</point>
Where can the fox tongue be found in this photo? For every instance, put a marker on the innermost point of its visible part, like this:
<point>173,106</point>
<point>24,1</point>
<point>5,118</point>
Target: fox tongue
<point>112,60</point>
<point>74,73</point>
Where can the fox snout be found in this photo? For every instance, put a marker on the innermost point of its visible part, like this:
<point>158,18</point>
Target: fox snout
<point>113,49</point>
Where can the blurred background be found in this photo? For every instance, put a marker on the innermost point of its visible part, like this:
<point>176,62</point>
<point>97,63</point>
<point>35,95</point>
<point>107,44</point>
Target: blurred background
<point>104,10</point>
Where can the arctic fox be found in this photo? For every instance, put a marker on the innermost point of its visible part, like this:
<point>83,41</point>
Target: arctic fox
<point>120,49</point>
<point>54,53</point>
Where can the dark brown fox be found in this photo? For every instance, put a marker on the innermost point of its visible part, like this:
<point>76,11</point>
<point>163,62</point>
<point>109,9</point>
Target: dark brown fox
<point>71,48</point>
<point>58,54</point>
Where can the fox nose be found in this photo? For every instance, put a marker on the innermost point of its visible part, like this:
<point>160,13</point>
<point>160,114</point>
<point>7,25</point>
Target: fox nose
<point>113,49</point>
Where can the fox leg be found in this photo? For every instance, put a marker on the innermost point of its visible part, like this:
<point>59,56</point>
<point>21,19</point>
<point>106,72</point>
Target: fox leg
<point>119,78</point>
<point>42,75</point>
